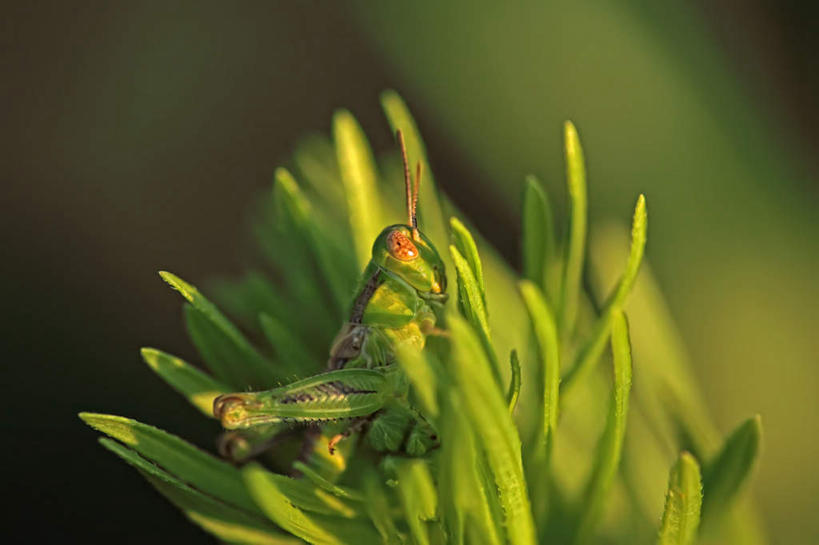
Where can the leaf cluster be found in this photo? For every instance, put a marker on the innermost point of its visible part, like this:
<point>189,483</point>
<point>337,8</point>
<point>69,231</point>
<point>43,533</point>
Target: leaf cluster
<point>554,446</point>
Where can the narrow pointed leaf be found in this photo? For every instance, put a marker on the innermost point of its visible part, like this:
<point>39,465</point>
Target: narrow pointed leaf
<point>726,474</point>
<point>321,482</point>
<point>419,497</point>
<point>423,377</point>
<point>430,211</point>
<point>292,358</point>
<point>358,174</point>
<point>513,392</point>
<point>538,234</point>
<point>471,305</point>
<point>546,335</point>
<point>215,517</point>
<point>176,456</point>
<point>335,271</point>
<point>611,444</point>
<point>488,414</point>
<point>316,159</point>
<point>229,354</point>
<point>593,348</point>
<point>576,235</point>
<point>305,495</point>
<point>465,500</point>
<point>683,500</point>
<point>463,241</point>
<point>378,508</point>
<point>197,387</point>
<point>317,528</point>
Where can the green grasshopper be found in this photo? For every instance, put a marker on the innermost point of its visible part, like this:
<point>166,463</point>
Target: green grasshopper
<point>399,301</point>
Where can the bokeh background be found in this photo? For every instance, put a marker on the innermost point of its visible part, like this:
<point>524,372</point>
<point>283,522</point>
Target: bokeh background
<point>136,136</point>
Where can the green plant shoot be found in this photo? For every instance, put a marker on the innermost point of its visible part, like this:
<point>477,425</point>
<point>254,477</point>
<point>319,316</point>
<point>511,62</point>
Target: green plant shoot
<point>399,301</point>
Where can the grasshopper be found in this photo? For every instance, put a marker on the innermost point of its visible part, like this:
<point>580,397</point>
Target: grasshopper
<point>399,301</point>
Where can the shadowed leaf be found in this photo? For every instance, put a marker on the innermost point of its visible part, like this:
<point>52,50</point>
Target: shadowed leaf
<point>227,352</point>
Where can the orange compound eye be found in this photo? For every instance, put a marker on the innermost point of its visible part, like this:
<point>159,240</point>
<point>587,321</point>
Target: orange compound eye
<point>401,247</point>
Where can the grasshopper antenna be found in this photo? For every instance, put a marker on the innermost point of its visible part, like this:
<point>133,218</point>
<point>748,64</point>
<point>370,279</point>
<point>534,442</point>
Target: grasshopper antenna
<point>418,171</point>
<point>412,189</point>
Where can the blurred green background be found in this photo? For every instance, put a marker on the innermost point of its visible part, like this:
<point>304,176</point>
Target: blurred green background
<point>137,136</point>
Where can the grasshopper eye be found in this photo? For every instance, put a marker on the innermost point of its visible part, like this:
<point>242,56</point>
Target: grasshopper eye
<point>401,247</point>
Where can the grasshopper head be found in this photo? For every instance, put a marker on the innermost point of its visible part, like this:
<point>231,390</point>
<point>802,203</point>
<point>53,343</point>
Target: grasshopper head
<point>413,259</point>
<point>404,250</point>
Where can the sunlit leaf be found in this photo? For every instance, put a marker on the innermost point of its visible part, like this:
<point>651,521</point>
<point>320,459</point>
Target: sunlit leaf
<point>513,392</point>
<point>418,495</point>
<point>267,490</point>
<point>471,305</point>
<point>609,450</point>
<point>463,241</point>
<point>575,244</point>
<point>358,173</point>
<point>593,347</point>
<point>176,456</point>
<point>430,211</point>
<point>681,517</point>
<point>489,416</point>
<point>545,328</point>
<point>197,387</point>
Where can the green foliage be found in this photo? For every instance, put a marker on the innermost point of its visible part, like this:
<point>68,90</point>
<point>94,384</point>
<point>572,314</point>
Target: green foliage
<point>683,502</point>
<point>525,457</point>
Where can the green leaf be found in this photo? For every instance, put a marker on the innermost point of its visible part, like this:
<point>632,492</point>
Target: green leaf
<point>307,496</point>
<point>315,157</point>
<point>319,480</point>
<point>292,357</point>
<point>538,234</point>
<point>422,375</point>
<point>471,305</point>
<point>489,416</point>
<point>177,457</point>
<point>430,211</point>
<point>610,447</point>
<point>213,516</point>
<point>227,352</point>
<point>465,244</point>
<point>592,349</point>
<point>545,328</point>
<point>358,174</point>
<point>197,387</point>
<point>681,516</point>
<point>274,500</point>
<point>513,392</point>
<point>726,474</point>
<point>301,216</point>
<point>576,235</point>
<point>378,508</point>
<point>465,500</point>
<point>419,497</point>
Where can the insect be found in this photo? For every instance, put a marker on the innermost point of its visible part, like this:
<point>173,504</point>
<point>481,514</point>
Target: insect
<point>399,300</point>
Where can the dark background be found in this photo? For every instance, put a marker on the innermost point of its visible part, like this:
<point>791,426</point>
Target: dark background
<point>136,136</point>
